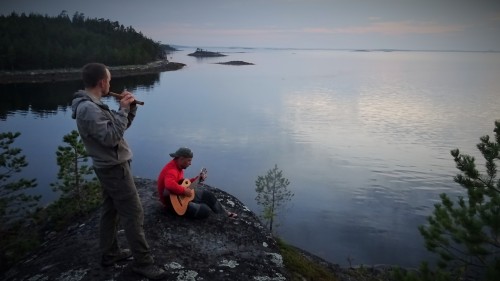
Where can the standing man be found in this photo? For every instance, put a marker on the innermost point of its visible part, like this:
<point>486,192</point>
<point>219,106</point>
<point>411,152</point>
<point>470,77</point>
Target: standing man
<point>102,130</point>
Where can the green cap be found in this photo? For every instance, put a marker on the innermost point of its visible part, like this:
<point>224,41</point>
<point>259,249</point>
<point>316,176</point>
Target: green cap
<point>182,152</point>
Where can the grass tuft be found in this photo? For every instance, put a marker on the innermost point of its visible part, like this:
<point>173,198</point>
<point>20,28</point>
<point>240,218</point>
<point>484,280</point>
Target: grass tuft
<point>300,267</point>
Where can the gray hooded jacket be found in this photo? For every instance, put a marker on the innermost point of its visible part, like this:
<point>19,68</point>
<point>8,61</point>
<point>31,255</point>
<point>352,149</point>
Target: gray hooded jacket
<point>102,129</point>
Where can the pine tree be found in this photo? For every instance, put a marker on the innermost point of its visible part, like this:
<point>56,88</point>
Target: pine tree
<point>465,233</point>
<point>61,41</point>
<point>272,194</point>
<point>14,203</point>
<point>79,190</point>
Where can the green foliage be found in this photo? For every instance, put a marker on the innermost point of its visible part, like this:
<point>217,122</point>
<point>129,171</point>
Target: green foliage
<point>466,233</point>
<point>424,274</point>
<point>272,194</point>
<point>80,191</point>
<point>59,42</point>
<point>302,268</point>
<point>15,205</point>
<point>80,194</point>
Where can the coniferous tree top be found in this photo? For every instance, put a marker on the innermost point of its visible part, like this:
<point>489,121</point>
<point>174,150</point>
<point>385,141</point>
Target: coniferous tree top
<point>37,41</point>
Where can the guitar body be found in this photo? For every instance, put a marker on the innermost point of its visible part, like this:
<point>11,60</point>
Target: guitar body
<point>181,202</point>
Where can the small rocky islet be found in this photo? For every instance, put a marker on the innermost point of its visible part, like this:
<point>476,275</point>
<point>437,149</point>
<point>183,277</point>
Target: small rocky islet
<point>235,62</point>
<point>200,53</point>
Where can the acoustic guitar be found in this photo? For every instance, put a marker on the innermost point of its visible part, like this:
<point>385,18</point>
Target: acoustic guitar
<point>180,202</point>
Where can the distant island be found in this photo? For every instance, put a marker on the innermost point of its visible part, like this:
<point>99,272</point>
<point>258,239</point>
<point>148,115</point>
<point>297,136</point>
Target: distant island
<point>200,53</point>
<point>168,49</point>
<point>235,62</point>
<point>375,50</point>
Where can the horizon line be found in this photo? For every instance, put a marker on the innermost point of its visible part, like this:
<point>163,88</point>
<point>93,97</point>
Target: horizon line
<point>340,49</point>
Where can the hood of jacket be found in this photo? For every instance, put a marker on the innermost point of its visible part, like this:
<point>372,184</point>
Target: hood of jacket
<point>82,96</point>
<point>78,98</point>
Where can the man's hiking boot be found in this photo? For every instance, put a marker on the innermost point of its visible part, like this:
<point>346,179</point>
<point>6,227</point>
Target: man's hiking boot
<point>150,271</point>
<point>108,260</point>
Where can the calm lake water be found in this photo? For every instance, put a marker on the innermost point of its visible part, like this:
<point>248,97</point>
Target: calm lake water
<point>363,137</point>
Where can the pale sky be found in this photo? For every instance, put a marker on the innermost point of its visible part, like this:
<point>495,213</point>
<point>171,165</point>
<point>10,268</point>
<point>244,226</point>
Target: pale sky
<point>332,24</point>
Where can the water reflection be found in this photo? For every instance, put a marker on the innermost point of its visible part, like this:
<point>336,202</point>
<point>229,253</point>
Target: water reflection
<point>45,99</point>
<point>42,99</point>
<point>363,137</point>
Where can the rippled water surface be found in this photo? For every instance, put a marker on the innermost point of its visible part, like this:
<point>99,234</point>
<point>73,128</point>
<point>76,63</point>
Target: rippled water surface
<point>363,137</point>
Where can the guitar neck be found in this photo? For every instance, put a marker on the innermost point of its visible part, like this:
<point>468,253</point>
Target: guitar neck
<point>203,174</point>
<point>194,184</point>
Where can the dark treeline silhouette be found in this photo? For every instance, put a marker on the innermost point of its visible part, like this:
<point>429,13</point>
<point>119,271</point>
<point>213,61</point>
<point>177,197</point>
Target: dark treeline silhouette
<point>37,41</point>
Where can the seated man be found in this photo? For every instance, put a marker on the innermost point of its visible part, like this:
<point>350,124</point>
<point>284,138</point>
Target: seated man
<point>170,182</point>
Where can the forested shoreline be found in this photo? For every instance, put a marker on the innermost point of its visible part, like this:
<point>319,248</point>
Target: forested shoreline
<point>37,41</point>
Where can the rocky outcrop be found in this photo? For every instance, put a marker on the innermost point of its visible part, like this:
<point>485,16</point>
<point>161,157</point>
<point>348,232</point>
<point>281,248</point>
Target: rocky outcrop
<point>200,53</point>
<point>236,62</point>
<point>53,75</point>
<point>216,248</point>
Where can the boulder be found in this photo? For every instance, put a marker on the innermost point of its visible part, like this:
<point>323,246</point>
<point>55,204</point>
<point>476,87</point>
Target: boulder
<point>216,248</point>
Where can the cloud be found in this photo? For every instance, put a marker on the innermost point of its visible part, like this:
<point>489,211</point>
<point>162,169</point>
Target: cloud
<point>496,17</point>
<point>206,30</point>
<point>392,28</point>
<point>389,28</point>
<point>257,36</point>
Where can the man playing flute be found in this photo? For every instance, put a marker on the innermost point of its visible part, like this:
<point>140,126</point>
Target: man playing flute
<point>102,130</point>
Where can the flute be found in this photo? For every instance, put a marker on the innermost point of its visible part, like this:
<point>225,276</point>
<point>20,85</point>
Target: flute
<point>120,96</point>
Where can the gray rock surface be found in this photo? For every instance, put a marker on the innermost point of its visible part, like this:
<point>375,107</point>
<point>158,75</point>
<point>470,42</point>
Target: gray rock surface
<point>216,248</point>
<point>53,75</point>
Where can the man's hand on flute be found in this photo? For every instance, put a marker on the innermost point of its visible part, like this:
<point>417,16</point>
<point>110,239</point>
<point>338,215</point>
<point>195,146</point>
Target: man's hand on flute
<point>127,100</point>
<point>122,96</point>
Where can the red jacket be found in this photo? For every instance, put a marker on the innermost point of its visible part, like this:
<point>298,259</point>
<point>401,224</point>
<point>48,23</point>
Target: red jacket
<point>169,179</point>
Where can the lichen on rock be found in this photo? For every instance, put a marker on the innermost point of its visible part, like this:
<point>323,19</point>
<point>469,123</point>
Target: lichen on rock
<point>216,248</point>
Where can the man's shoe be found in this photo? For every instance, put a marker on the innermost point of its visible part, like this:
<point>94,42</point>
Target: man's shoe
<point>109,260</point>
<point>150,271</point>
